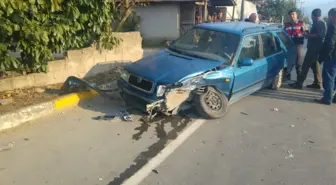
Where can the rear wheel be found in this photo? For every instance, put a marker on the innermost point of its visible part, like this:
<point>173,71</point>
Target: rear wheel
<point>277,80</point>
<point>211,104</point>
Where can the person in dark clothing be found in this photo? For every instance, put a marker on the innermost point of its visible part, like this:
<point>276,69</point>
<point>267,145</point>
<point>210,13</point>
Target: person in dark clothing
<point>295,29</point>
<point>315,42</point>
<point>328,57</point>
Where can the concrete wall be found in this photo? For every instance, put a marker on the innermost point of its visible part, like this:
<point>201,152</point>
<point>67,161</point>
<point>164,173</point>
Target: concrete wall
<point>187,16</point>
<point>159,22</point>
<point>82,63</point>
<point>249,8</point>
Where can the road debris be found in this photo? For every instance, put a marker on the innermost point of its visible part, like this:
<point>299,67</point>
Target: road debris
<point>311,141</point>
<point>26,139</point>
<point>289,154</point>
<point>275,109</point>
<point>7,146</point>
<point>125,115</point>
<point>244,113</point>
<point>243,132</point>
<point>292,126</point>
<point>155,171</point>
<point>105,117</point>
<point>100,178</point>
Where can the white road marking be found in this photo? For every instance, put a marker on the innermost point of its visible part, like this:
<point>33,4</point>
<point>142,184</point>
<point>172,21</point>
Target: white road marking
<point>141,174</point>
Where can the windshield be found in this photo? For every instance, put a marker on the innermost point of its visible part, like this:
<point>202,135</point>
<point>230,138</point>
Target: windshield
<point>207,44</point>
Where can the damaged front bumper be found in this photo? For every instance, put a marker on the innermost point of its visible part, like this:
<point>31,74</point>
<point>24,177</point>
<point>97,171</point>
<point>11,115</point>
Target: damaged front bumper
<point>173,100</point>
<point>171,103</point>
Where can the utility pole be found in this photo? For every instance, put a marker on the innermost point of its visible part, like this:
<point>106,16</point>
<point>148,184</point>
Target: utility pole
<point>242,10</point>
<point>205,18</point>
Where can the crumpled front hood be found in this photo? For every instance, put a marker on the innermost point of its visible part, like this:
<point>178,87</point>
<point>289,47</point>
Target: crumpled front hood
<point>167,67</point>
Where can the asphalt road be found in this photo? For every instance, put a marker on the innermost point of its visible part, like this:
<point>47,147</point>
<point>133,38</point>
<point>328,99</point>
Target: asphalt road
<point>270,137</point>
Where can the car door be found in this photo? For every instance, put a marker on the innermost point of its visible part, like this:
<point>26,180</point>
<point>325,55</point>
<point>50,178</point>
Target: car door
<point>272,59</point>
<point>245,75</point>
<point>290,52</point>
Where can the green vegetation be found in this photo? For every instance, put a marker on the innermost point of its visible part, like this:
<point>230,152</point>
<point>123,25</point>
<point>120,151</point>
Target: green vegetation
<point>275,10</point>
<point>39,28</point>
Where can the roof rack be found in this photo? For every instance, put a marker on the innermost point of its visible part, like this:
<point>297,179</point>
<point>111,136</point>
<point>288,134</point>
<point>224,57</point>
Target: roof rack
<point>275,25</point>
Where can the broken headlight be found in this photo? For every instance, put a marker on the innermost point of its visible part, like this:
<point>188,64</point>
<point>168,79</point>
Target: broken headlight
<point>125,76</point>
<point>161,89</point>
<point>193,83</point>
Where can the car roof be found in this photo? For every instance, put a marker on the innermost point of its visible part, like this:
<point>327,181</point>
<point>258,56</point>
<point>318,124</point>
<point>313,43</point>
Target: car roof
<point>240,27</point>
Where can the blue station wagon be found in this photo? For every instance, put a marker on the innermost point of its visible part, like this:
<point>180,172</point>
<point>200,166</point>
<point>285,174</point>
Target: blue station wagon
<point>210,67</point>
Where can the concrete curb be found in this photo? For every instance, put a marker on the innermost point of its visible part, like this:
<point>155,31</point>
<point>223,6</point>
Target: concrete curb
<point>16,118</point>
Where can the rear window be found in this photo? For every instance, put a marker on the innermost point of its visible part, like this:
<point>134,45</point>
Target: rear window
<point>286,40</point>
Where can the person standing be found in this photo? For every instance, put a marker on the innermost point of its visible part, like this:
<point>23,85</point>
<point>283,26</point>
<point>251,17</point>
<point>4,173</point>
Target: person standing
<point>315,43</point>
<point>253,18</point>
<point>209,20</point>
<point>295,29</point>
<point>220,17</point>
<point>328,57</point>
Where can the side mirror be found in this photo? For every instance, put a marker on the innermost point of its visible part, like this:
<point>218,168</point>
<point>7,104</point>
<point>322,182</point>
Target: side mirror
<point>246,62</point>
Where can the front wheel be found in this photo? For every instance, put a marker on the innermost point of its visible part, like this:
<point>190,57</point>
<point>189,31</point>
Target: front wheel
<point>211,104</point>
<point>277,80</point>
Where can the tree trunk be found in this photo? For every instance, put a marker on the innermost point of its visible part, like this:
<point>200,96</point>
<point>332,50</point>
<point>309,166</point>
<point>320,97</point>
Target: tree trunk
<point>127,13</point>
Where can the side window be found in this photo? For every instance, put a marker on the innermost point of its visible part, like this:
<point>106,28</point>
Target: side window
<point>250,48</point>
<point>277,45</point>
<point>270,45</point>
<point>287,41</point>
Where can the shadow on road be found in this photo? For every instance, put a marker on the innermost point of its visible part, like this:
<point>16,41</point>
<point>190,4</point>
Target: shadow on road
<point>289,94</point>
<point>178,123</point>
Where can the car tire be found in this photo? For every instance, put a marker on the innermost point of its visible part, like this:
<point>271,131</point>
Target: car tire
<point>211,104</point>
<point>277,80</point>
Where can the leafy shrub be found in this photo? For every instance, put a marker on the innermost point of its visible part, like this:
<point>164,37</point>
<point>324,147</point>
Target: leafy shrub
<point>38,28</point>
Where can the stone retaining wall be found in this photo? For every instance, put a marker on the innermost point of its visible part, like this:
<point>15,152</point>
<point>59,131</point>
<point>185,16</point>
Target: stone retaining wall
<point>82,63</point>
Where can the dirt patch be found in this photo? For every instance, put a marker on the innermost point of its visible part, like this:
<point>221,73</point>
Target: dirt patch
<point>106,77</point>
<point>20,98</point>
<point>9,74</point>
